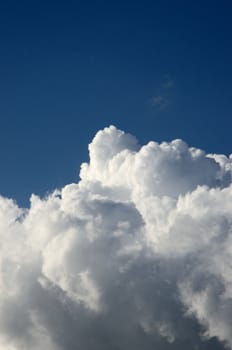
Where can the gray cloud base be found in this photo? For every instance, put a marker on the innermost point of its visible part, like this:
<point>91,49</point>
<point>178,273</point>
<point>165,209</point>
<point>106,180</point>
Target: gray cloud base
<point>137,255</point>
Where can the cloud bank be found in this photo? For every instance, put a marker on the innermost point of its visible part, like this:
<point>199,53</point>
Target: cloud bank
<point>137,255</point>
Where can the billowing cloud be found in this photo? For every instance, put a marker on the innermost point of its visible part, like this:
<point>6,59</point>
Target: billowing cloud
<point>137,255</point>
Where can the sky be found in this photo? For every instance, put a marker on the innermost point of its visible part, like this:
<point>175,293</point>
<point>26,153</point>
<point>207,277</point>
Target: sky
<point>116,175</point>
<point>160,70</point>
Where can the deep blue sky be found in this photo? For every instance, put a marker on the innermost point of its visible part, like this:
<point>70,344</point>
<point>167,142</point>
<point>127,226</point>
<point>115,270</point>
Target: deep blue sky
<point>157,69</point>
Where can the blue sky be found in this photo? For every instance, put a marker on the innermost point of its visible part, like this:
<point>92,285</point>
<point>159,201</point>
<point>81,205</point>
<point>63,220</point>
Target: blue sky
<point>157,69</point>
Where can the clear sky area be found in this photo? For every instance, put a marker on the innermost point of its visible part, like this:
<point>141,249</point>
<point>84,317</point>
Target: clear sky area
<point>159,70</point>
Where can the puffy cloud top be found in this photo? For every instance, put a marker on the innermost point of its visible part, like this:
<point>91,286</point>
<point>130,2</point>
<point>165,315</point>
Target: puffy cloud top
<point>137,255</point>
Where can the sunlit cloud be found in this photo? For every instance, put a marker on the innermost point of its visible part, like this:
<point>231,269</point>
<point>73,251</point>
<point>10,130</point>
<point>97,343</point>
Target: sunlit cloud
<point>136,255</point>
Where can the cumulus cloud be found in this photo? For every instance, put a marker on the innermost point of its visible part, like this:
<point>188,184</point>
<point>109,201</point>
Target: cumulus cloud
<point>137,255</point>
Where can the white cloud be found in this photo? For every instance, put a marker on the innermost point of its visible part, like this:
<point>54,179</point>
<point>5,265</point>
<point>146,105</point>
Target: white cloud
<point>136,255</point>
